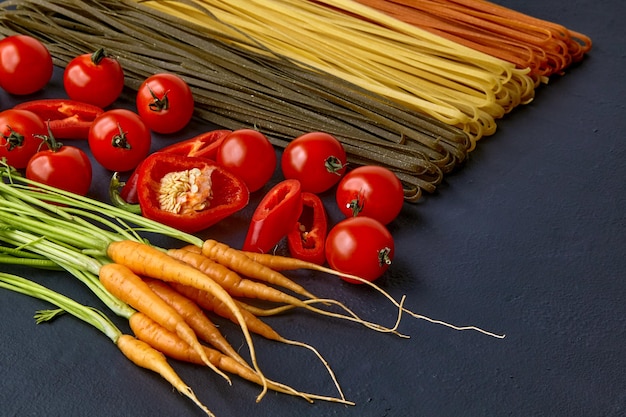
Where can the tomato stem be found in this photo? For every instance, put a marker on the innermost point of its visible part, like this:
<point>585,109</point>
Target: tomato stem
<point>383,256</point>
<point>49,139</point>
<point>159,104</point>
<point>119,140</point>
<point>333,165</point>
<point>356,205</point>
<point>14,139</point>
<point>98,56</point>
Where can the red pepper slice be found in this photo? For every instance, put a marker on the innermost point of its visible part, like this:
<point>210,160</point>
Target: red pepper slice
<point>274,217</point>
<point>209,192</point>
<point>307,237</point>
<point>68,119</point>
<point>203,145</point>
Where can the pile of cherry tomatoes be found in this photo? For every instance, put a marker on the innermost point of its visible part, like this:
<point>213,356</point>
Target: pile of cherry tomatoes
<point>120,139</point>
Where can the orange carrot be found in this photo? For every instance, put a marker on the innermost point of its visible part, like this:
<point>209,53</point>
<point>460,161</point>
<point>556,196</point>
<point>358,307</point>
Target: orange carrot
<point>209,302</point>
<point>148,261</point>
<point>240,287</point>
<point>173,346</point>
<point>231,280</point>
<point>130,288</point>
<point>285,263</point>
<point>237,261</point>
<point>256,325</point>
<point>195,317</point>
<point>144,355</point>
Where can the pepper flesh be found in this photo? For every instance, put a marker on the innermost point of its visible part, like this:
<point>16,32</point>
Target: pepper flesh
<point>203,145</point>
<point>68,119</point>
<point>274,217</point>
<point>307,238</point>
<point>200,202</point>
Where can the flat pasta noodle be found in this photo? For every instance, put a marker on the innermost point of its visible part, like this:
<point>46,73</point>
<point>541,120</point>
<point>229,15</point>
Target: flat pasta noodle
<point>237,82</point>
<point>430,74</point>
<point>545,47</point>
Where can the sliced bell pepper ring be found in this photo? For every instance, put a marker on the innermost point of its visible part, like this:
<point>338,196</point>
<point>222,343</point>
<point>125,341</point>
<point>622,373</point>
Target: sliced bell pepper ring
<point>203,145</point>
<point>188,193</point>
<point>275,216</point>
<point>307,237</point>
<point>68,119</point>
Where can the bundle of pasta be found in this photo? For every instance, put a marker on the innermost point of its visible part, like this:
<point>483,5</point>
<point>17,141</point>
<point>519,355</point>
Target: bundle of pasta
<point>430,74</point>
<point>238,83</point>
<point>547,48</point>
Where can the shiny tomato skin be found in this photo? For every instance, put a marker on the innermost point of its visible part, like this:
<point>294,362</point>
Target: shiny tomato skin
<point>370,191</point>
<point>165,102</point>
<point>248,154</point>
<point>360,246</point>
<point>19,142</point>
<point>25,65</point>
<point>119,140</point>
<point>67,168</point>
<point>316,159</point>
<point>94,78</point>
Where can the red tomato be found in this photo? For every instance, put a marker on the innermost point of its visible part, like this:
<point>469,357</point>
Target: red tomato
<point>119,140</point>
<point>316,159</point>
<point>67,168</point>
<point>94,78</point>
<point>19,141</point>
<point>165,102</point>
<point>371,191</point>
<point>359,246</point>
<point>25,64</point>
<point>248,154</point>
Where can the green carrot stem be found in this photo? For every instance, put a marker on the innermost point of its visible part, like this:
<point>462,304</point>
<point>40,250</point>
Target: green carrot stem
<point>89,315</point>
<point>32,262</point>
<point>44,192</point>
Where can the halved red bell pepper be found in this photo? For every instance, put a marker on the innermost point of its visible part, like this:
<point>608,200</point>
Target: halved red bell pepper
<point>68,119</point>
<point>274,217</point>
<point>188,193</point>
<point>203,145</point>
<point>307,237</point>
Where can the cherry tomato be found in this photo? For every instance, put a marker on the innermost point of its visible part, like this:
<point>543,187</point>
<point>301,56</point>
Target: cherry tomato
<point>371,191</point>
<point>316,159</point>
<point>359,246</point>
<point>20,130</point>
<point>25,64</point>
<point>248,154</point>
<point>165,102</point>
<point>94,78</point>
<point>119,140</point>
<point>64,167</point>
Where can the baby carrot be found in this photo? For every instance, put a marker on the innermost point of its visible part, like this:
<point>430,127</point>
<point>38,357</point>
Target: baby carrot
<point>148,261</point>
<point>209,302</point>
<point>144,355</point>
<point>237,261</point>
<point>195,317</point>
<point>240,287</point>
<point>174,347</point>
<point>285,263</point>
<point>130,288</point>
<point>136,351</point>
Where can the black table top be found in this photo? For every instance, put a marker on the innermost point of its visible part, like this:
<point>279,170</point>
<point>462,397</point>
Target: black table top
<point>528,239</point>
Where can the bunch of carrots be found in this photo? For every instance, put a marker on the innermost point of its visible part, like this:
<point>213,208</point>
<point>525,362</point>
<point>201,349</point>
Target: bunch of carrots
<point>164,293</point>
